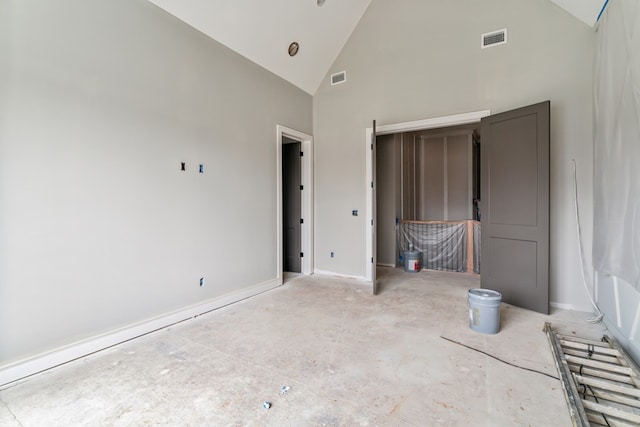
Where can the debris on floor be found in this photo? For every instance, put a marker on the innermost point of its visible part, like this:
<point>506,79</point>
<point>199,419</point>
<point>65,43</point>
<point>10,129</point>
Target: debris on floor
<point>284,389</point>
<point>266,404</point>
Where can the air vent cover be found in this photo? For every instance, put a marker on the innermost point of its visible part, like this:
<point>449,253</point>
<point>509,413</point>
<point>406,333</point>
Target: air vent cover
<point>338,78</point>
<point>494,38</point>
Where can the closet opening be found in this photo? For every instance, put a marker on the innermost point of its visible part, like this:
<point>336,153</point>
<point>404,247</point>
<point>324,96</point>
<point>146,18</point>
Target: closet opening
<point>428,195</point>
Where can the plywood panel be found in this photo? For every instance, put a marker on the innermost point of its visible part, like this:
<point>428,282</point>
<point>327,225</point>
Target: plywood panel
<point>408,176</point>
<point>458,172</point>
<point>431,202</point>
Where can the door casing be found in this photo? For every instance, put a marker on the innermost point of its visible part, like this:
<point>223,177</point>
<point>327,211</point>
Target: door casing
<point>306,143</point>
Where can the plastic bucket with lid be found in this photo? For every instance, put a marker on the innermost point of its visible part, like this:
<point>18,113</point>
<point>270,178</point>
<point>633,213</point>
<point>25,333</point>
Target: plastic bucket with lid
<point>484,310</point>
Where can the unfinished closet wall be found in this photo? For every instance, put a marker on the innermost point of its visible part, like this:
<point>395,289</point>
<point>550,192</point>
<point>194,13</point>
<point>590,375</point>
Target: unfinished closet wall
<point>436,174</point>
<point>443,176</point>
<point>425,176</point>
<point>429,176</point>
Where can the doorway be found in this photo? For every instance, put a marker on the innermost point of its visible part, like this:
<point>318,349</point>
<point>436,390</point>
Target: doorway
<point>419,125</point>
<point>299,199</point>
<point>427,188</point>
<point>291,206</point>
<point>515,191</point>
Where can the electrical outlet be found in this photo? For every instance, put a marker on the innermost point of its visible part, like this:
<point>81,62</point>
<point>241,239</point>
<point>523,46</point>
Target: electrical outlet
<point>331,254</point>
<point>201,281</point>
<point>201,169</point>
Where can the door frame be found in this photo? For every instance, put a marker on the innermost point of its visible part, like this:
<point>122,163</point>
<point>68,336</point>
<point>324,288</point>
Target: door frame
<point>306,178</point>
<point>430,123</point>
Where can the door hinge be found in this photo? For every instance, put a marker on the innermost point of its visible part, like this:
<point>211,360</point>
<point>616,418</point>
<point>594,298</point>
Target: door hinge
<point>371,260</point>
<point>301,221</point>
<point>371,184</point>
<point>301,187</point>
<point>371,222</point>
<point>301,254</point>
<point>372,146</point>
<point>302,154</point>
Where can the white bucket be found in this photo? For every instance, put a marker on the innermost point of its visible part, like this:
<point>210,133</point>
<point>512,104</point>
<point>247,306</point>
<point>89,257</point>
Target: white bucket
<point>484,310</point>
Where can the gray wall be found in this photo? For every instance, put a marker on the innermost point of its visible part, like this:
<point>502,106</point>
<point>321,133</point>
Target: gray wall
<point>420,59</point>
<point>100,101</point>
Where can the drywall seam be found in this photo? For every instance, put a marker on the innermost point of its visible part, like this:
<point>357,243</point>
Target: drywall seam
<point>27,367</point>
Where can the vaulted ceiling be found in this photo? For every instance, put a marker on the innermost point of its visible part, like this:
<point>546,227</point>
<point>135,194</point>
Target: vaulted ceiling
<point>263,30</point>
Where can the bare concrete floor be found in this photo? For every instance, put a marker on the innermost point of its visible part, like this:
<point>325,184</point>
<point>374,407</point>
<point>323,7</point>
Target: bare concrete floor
<point>348,357</point>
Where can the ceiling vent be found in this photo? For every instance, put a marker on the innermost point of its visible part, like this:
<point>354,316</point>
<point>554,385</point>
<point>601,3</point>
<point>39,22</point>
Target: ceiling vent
<point>494,38</point>
<point>338,78</point>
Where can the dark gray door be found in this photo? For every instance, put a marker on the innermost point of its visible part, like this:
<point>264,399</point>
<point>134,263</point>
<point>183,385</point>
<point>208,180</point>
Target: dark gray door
<point>515,206</point>
<point>374,224</point>
<point>291,206</point>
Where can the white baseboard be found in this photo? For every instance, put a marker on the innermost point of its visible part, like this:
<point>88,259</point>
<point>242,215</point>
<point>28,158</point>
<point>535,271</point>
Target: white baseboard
<point>33,365</point>
<point>342,276</point>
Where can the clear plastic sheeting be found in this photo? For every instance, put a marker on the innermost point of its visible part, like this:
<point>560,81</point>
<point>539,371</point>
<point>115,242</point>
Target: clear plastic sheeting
<point>442,245</point>
<point>616,240</point>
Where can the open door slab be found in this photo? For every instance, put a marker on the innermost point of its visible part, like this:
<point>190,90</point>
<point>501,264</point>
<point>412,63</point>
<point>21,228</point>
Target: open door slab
<point>374,258</point>
<point>515,206</point>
